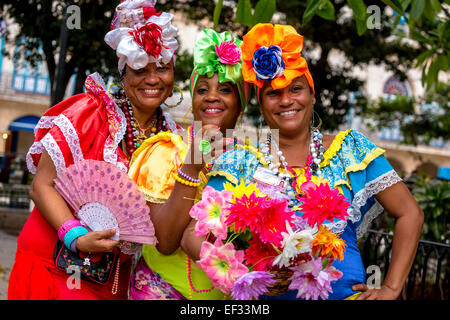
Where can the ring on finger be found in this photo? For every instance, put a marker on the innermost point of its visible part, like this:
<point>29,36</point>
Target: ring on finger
<point>205,147</point>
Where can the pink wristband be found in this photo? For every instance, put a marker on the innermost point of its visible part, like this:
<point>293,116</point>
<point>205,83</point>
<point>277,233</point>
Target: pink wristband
<point>69,224</point>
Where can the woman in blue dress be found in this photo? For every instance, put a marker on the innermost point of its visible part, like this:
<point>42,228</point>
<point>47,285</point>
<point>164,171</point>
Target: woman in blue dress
<point>349,161</point>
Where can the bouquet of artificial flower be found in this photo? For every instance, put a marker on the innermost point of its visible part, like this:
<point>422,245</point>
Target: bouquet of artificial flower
<point>253,235</point>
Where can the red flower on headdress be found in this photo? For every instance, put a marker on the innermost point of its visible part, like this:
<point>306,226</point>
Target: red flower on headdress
<point>148,37</point>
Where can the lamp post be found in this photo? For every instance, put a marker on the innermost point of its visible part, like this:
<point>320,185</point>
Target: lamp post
<point>58,85</point>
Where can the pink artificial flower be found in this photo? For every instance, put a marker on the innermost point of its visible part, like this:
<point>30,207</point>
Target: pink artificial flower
<point>273,221</point>
<point>307,186</point>
<point>253,284</point>
<point>245,212</point>
<point>222,264</point>
<point>228,53</point>
<point>263,216</point>
<point>312,281</point>
<point>321,203</point>
<point>210,212</point>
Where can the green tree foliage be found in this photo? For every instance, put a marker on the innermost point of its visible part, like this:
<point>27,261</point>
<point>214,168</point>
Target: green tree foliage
<point>327,27</point>
<point>39,26</point>
<point>331,33</point>
<point>420,120</point>
<point>38,37</point>
<point>433,196</point>
<point>428,22</point>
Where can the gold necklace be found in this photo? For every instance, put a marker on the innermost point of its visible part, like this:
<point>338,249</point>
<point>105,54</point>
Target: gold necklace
<point>140,132</point>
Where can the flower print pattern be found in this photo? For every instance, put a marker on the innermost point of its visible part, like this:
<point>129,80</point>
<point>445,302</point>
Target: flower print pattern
<point>148,285</point>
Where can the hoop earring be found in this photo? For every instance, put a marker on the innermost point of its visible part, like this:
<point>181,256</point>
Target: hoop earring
<point>238,122</point>
<point>186,116</point>
<point>261,121</point>
<point>312,124</point>
<point>119,85</point>
<point>179,102</point>
<point>259,132</point>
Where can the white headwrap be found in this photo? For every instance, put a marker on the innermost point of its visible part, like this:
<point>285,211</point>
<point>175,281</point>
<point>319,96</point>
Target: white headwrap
<point>141,36</point>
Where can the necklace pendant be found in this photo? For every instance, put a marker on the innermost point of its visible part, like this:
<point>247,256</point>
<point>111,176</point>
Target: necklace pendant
<point>140,137</point>
<point>267,177</point>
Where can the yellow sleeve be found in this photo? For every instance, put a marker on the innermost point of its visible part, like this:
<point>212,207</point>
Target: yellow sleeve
<point>154,163</point>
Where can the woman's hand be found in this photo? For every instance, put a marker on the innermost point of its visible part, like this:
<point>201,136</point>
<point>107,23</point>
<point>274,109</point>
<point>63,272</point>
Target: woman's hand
<point>383,293</point>
<point>97,241</point>
<point>214,136</point>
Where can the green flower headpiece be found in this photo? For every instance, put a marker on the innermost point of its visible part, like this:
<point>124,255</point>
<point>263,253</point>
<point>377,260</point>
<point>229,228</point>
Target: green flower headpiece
<point>221,53</point>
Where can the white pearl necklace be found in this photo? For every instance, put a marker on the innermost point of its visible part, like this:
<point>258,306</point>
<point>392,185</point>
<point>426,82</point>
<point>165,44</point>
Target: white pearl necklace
<point>316,148</point>
<point>317,151</point>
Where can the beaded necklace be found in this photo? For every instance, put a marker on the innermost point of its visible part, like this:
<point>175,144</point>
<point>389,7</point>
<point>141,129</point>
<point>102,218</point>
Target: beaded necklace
<point>315,157</point>
<point>135,135</point>
<point>191,285</point>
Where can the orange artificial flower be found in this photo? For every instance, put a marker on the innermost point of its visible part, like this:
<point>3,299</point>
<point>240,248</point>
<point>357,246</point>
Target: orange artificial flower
<point>291,44</point>
<point>328,244</point>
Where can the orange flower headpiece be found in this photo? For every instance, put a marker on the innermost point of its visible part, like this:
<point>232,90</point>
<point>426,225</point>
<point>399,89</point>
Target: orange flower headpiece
<point>273,53</point>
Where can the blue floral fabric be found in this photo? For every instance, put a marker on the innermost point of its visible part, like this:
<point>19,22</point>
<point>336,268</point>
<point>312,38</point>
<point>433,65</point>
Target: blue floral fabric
<point>352,163</point>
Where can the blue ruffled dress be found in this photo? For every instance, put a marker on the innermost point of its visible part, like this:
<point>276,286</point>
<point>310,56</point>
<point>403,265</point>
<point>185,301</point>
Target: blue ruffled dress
<point>353,164</point>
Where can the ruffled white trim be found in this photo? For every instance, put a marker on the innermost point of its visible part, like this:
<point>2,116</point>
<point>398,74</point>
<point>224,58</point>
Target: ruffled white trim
<point>110,154</point>
<point>370,215</point>
<point>337,227</point>
<point>45,122</point>
<point>372,188</point>
<point>48,142</point>
<point>360,199</point>
<point>36,148</point>
<point>71,136</point>
<point>171,124</point>
<point>54,151</point>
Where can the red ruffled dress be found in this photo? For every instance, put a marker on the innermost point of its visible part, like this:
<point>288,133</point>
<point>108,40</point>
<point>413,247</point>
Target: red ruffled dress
<point>85,126</point>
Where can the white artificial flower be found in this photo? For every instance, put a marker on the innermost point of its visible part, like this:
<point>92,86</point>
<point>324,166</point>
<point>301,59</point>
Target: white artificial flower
<point>294,243</point>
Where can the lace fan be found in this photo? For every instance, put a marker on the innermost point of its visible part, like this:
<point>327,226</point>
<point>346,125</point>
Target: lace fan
<point>104,197</point>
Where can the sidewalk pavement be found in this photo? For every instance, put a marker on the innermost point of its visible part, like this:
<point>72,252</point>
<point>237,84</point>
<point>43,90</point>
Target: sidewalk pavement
<point>8,248</point>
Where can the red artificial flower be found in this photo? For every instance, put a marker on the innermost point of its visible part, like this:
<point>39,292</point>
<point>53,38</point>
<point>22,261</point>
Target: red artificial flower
<point>273,221</point>
<point>266,218</point>
<point>321,203</point>
<point>244,212</point>
<point>148,37</point>
<point>260,255</point>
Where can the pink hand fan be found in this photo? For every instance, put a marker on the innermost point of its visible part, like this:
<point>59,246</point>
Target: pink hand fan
<point>104,197</point>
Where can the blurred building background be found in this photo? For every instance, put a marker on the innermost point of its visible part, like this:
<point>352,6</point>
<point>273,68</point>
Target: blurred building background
<point>25,96</point>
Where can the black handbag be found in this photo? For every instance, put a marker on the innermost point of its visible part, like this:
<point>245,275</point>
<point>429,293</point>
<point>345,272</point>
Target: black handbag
<point>94,267</point>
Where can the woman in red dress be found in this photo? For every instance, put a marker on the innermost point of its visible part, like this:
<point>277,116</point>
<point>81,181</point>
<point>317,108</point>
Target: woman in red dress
<point>93,126</point>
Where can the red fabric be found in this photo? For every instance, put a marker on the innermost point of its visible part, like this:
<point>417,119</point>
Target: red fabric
<point>34,275</point>
<point>149,11</point>
<point>87,113</point>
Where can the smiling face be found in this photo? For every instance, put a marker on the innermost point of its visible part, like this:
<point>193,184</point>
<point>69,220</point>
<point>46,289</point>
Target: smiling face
<point>216,103</point>
<point>149,87</point>
<point>288,109</point>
